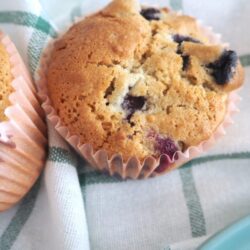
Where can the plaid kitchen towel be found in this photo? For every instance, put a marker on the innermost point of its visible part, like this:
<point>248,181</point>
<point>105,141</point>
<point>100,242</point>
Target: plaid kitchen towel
<point>74,207</point>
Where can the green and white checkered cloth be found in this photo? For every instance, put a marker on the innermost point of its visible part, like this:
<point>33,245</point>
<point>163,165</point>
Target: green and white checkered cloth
<point>73,207</point>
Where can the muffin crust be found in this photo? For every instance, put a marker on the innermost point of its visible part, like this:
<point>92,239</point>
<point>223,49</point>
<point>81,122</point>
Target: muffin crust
<point>126,84</point>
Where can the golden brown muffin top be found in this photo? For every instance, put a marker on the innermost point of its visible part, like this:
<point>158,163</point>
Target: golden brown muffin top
<point>140,82</point>
<point>5,81</point>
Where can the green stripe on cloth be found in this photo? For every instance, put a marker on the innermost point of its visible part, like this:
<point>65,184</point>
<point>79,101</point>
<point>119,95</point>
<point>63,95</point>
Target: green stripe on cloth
<point>196,216</point>
<point>233,156</point>
<point>43,29</point>
<point>95,177</point>
<point>60,155</point>
<point>176,4</point>
<point>37,43</point>
<point>27,19</point>
<point>245,60</point>
<point>82,181</point>
<point>7,239</point>
<point>35,46</point>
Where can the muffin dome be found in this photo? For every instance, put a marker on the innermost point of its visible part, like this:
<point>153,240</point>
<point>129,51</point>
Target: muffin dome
<point>140,81</point>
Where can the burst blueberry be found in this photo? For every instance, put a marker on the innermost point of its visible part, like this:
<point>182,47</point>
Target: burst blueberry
<point>151,14</point>
<point>164,164</point>
<point>185,62</point>
<point>133,103</point>
<point>165,145</point>
<point>225,67</point>
<point>180,38</point>
<point>167,148</point>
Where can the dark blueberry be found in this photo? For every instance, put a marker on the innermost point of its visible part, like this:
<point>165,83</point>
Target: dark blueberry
<point>151,14</point>
<point>185,62</point>
<point>180,38</point>
<point>224,68</point>
<point>165,146</point>
<point>163,165</point>
<point>133,103</point>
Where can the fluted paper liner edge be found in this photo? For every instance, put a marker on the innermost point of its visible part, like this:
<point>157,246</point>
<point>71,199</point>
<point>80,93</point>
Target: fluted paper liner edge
<point>133,168</point>
<point>22,135</point>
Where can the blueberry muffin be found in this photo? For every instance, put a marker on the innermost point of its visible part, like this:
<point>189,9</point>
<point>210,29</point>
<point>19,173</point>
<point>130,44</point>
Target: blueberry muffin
<point>22,128</point>
<point>5,81</point>
<point>140,81</point>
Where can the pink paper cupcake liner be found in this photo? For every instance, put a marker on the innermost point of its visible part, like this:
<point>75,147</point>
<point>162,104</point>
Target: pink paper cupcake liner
<point>133,168</point>
<point>23,136</point>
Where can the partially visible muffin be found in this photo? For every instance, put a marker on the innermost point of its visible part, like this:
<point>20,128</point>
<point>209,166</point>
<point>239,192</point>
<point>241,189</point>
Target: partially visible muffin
<point>23,135</point>
<point>141,81</point>
<point>5,81</point>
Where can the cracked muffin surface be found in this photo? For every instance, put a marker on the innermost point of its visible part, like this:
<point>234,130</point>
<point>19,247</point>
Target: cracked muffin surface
<point>140,81</point>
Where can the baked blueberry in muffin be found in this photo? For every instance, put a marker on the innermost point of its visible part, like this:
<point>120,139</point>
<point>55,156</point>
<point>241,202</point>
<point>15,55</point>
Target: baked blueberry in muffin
<point>141,81</point>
